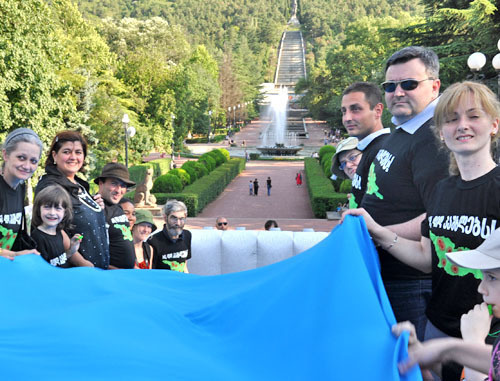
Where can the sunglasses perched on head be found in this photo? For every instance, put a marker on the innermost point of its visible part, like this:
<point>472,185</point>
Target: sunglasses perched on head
<point>222,223</point>
<point>406,84</point>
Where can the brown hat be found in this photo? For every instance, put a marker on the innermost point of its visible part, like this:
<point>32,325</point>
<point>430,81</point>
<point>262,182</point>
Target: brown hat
<point>117,171</point>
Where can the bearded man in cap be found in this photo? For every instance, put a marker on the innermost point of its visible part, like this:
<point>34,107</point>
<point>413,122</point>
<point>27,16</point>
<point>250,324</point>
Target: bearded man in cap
<point>113,183</point>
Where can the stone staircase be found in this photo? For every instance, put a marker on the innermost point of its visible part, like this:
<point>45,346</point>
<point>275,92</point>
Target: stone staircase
<point>291,60</point>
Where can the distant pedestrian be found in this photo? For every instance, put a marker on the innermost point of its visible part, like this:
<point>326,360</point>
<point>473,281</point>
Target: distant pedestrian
<point>256,187</point>
<point>298,179</point>
<point>247,156</point>
<point>250,188</point>
<point>269,186</point>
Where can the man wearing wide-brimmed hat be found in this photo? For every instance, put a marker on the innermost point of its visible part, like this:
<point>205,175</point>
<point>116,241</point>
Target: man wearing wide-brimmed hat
<point>113,183</point>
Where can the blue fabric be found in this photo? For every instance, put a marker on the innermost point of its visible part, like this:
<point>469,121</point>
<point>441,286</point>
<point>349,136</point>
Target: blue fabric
<point>321,315</point>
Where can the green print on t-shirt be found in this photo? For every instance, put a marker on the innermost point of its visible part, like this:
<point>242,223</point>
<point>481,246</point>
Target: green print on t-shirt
<point>175,266</point>
<point>8,238</point>
<point>352,202</point>
<point>444,245</point>
<point>127,234</point>
<point>371,187</point>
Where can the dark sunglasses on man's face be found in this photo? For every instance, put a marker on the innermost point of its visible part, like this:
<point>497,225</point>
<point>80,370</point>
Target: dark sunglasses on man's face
<point>222,223</point>
<point>406,84</point>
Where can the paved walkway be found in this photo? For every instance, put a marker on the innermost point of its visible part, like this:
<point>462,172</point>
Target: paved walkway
<point>288,204</point>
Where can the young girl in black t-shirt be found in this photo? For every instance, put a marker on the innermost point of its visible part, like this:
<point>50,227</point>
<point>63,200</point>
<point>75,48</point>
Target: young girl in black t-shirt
<point>52,212</point>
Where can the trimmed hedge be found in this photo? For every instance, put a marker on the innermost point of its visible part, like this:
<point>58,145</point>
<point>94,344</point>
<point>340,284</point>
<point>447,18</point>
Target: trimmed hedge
<point>189,168</point>
<point>321,193</point>
<point>346,186</point>
<point>326,162</point>
<point>325,149</point>
<point>209,187</point>
<point>138,172</point>
<point>208,161</point>
<point>167,184</point>
<point>225,152</point>
<point>182,175</point>
<point>201,169</point>
<point>190,200</point>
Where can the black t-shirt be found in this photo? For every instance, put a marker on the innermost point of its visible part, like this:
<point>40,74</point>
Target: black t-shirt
<point>51,247</point>
<point>11,212</point>
<point>167,254</point>
<point>121,245</point>
<point>361,176</point>
<point>461,215</point>
<point>88,217</point>
<point>400,182</point>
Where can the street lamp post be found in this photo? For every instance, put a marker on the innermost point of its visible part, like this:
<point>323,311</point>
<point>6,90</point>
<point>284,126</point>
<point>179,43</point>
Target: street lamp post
<point>239,114</point>
<point>173,133</point>
<point>126,121</point>
<point>234,116</point>
<point>476,62</point>
<point>209,124</point>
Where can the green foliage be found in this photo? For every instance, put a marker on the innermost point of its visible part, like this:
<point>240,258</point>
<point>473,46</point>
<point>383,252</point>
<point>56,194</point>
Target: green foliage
<point>167,184</point>
<point>189,167</point>
<point>254,156</point>
<point>324,150</point>
<point>326,163</point>
<point>138,172</point>
<point>201,169</point>
<point>208,161</point>
<point>321,193</point>
<point>32,94</point>
<point>218,157</point>
<point>225,152</point>
<point>346,186</point>
<point>160,166</point>
<point>182,175</point>
<point>190,200</point>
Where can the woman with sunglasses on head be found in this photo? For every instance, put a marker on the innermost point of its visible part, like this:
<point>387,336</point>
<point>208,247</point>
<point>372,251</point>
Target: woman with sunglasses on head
<point>464,208</point>
<point>21,153</point>
<point>65,160</point>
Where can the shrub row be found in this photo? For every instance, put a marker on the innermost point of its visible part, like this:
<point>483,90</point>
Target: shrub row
<point>321,192</point>
<point>138,172</point>
<point>206,189</point>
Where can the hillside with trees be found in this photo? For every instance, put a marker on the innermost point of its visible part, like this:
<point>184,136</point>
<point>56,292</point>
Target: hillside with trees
<point>352,42</point>
<point>173,66</point>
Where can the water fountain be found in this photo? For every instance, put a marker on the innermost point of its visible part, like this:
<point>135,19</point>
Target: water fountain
<point>276,141</point>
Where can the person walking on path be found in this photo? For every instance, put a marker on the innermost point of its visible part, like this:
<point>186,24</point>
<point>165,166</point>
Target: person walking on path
<point>255,187</point>
<point>250,188</point>
<point>269,186</point>
<point>298,179</point>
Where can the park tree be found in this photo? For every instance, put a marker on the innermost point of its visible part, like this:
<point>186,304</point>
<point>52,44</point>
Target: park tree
<point>32,94</point>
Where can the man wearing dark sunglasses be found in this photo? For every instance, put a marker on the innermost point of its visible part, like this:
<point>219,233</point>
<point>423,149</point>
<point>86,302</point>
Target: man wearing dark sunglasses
<point>221,223</point>
<point>404,172</point>
<point>362,109</point>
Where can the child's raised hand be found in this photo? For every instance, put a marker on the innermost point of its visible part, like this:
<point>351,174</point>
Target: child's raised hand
<point>74,244</point>
<point>475,324</point>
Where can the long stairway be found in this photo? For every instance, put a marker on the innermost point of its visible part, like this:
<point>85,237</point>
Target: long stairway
<point>291,60</point>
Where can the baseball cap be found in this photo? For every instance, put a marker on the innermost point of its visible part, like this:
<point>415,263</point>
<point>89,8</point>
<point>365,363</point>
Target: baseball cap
<point>345,145</point>
<point>486,256</point>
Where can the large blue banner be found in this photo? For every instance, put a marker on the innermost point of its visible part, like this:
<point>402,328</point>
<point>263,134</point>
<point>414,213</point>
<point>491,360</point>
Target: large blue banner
<point>322,315</point>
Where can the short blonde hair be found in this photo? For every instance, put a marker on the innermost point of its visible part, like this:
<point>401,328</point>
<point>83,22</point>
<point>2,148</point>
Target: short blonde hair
<point>457,94</point>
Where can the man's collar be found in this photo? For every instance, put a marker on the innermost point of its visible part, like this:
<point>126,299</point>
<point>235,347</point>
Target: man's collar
<point>368,139</point>
<point>411,126</point>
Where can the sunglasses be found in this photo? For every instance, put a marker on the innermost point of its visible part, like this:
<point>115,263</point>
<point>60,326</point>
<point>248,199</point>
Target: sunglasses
<point>351,159</point>
<point>222,223</point>
<point>406,84</point>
